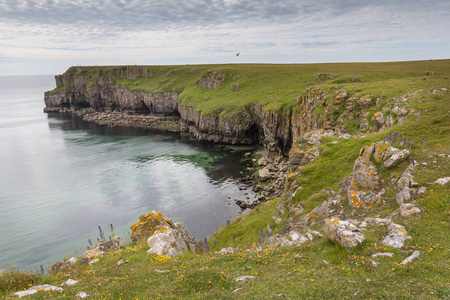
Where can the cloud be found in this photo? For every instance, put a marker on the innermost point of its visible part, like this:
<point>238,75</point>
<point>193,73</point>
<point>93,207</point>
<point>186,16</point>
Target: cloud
<point>210,31</point>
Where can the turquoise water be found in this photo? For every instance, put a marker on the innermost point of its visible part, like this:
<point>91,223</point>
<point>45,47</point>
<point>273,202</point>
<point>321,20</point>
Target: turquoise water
<point>60,178</point>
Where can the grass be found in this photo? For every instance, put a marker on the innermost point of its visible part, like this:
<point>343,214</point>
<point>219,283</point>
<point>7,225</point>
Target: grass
<point>297,272</point>
<point>275,86</point>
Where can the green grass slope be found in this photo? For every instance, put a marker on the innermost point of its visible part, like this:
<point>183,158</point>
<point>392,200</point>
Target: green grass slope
<point>298,272</point>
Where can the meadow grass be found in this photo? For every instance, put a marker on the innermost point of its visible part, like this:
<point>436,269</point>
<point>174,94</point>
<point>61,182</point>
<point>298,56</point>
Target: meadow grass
<point>297,272</point>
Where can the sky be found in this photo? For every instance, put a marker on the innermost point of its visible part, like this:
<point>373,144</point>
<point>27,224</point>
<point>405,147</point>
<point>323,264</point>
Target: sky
<point>49,36</point>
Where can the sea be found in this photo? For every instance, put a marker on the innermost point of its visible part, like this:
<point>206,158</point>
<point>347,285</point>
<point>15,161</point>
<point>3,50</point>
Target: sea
<point>63,179</point>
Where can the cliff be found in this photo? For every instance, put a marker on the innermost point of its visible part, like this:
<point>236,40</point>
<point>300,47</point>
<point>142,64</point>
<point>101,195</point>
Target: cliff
<point>204,104</point>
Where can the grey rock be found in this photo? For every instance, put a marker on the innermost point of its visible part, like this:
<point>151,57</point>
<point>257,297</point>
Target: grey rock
<point>386,254</point>
<point>244,278</point>
<point>415,255</point>
<point>343,233</point>
<point>69,282</point>
<point>442,181</point>
<point>81,295</point>
<point>408,209</point>
<point>395,236</point>
<point>264,174</point>
<point>35,289</point>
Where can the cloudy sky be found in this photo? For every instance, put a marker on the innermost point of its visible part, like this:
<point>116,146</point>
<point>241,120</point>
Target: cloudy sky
<point>48,36</point>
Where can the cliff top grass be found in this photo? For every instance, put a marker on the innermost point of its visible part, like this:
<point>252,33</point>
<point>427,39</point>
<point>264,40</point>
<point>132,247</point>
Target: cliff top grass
<point>276,86</point>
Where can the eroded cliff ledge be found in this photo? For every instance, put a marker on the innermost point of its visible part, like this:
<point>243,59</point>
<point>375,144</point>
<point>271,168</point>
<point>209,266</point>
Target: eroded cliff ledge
<point>178,99</point>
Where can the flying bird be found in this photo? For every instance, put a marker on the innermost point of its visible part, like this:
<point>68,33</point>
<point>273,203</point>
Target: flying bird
<point>237,54</point>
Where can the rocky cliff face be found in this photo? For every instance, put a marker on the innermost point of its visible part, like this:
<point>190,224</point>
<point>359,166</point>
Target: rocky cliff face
<point>275,130</point>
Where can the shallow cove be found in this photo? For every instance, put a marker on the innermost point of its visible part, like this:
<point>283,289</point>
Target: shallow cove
<point>62,177</point>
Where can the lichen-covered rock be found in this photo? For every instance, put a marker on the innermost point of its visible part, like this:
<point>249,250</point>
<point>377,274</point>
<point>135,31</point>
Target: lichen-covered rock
<point>364,102</point>
<point>149,223</point>
<point>114,242</point>
<point>165,236</point>
<point>362,187</point>
<point>378,119</point>
<point>93,253</point>
<point>397,157</point>
<point>403,196</point>
<point>395,236</point>
<point>343,233</point>
<point>167,241</point>
<point>408,209</point>
<point>63,265</point>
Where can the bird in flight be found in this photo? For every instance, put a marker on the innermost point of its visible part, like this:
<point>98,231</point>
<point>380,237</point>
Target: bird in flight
<point>237,54</point>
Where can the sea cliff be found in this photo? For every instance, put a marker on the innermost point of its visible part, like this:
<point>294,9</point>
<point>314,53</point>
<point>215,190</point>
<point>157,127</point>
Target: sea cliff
<point>204,105</point>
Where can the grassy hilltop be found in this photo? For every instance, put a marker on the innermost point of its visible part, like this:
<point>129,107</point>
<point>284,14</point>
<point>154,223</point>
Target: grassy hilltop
<point>296,272</point>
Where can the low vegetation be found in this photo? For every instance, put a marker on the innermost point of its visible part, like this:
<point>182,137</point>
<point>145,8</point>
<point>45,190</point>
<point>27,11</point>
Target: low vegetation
<point>318,269</point>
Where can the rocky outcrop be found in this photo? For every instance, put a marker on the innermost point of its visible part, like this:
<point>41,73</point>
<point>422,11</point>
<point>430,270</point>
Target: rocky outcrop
<point>363,186</point>
<point>212,79</point>
<point>63,265</point>
<point>164,236</point>
<point>92,255</point>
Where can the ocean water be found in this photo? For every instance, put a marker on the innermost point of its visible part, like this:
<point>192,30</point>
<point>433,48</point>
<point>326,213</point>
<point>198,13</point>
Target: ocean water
<point>61,178</point>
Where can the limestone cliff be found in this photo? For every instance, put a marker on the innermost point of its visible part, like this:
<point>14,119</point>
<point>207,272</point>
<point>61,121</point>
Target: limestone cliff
<point>88,90</point>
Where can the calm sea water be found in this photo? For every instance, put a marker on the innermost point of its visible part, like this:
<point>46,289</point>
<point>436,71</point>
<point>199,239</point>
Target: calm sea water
<point>60,178</point>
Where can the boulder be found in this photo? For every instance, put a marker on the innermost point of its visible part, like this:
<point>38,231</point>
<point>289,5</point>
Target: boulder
<point>69,282</point>
<point>147,225</point>
<point>114,242</point>
<point>403,196</point>
<point>100,248</point>
<point>364,102</point>
<point>389,122</point>
<point>264,174</point>
<point>378,119</point>
<point>397,157</point>
<point>343,233</point>
<point>262,162</point>
<point>395,236</point>
<point>63,265</point>
<point>408,209</point>
<point>165,236</point>
<point>92,253</point>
